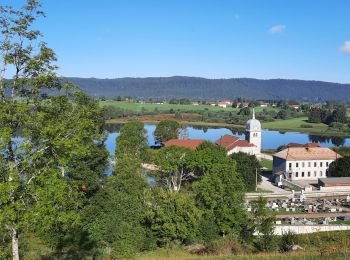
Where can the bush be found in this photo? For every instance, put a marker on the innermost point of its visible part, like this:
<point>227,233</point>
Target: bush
<point>288,240</point>
<point>306,126</point>
<point>226,246</point>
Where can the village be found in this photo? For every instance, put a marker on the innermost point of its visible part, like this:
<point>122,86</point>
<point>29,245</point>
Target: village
<point>301,191</point>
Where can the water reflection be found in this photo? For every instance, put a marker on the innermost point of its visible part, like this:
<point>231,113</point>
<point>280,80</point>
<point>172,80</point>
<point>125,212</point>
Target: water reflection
<point>270,139</point>
<point>335,140</point>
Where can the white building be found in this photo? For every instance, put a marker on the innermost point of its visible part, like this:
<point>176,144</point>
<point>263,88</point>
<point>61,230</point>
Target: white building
<point>252,144</point>
<point>303,162</point>
<point>253,133</point>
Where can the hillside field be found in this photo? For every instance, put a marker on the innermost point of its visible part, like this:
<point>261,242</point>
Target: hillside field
<point>166,107</point>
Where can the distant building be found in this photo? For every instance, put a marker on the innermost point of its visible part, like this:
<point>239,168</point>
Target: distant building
<point>186,143</point>
<point>223,105</point>
<point>303,162</point>
<point>195,103</point>
<point>295,106</point>
<point>234,145</point>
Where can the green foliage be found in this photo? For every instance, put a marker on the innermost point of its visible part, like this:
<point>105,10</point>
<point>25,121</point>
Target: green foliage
<point>114,217</point>
<point>173,217</point>
<point>219,194</point>
<point>247,167</point>
<point>340,167</point>
<point>287,241</point>
<point>53,155</point>
<point>263,224</point>
<point>244,111</point>
<point>176,166</point>
<point>166,130</point>
<point>132,141</point>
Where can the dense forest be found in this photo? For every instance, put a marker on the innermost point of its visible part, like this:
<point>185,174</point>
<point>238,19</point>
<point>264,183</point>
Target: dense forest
<point>204,89</point>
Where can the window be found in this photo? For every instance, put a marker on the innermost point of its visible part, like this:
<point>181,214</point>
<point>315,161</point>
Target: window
<point>315,173</point>
<point>327,164</point>
<point>309,164</point>
<point>315,164</point>
<point>320,173</point>
<point>303,164</point>
<point>290,165</point>
<point>302,174</point>
<point>297,174</point>
<point>321,164</point>
<point>297,164</point>
<point>308,174</point>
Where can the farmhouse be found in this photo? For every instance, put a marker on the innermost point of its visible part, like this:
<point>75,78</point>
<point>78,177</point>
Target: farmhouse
<point>303,162</point>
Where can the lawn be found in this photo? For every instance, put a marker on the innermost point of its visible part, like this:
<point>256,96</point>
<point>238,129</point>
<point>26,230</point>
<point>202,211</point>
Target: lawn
<point>267,164</point>
<point>300,124</point>
<point>162,107</point>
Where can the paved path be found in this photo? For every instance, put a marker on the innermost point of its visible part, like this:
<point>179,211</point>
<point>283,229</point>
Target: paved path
<point>267,185</point>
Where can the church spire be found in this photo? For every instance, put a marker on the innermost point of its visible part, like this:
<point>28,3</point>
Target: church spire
<point>253,113</point>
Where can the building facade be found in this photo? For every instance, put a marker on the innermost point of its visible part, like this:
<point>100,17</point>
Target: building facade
<point>303,162</point>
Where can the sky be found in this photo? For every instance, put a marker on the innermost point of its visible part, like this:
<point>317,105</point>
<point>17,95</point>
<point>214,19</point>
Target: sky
<point>293,39</point>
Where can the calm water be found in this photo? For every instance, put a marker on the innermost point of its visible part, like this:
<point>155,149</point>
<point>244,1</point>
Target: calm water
<point>270,139</point>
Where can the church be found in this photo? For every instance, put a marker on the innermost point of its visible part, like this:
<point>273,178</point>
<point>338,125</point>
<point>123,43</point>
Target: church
<point>251,145</point>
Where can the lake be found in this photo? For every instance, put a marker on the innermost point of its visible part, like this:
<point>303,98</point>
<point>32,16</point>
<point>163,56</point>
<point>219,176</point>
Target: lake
<point>270,139</point>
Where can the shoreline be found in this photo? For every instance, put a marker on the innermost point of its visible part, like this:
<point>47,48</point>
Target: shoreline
<point>310,131</point>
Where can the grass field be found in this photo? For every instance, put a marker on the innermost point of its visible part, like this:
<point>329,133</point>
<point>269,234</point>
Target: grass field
<point>167,107</point>
<point>298,125</point>
<point>266,164</point>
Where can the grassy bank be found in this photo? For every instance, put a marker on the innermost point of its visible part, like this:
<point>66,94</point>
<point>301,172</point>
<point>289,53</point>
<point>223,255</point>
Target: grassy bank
<point>182,122</point>
<point>301,124</point>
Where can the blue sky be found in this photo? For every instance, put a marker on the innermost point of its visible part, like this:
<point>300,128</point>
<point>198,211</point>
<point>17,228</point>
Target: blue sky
<point>296,39</point>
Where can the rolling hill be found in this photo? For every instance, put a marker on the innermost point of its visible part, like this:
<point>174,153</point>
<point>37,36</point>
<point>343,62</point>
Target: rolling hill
<point>205,89</point>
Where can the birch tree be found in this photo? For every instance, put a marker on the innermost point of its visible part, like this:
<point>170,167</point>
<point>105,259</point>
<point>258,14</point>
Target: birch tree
<point>175,165</point>
<point>47,147</point>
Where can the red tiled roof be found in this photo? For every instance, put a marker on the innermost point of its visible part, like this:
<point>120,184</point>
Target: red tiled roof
<point>303,145</point>
<point>230,142</point>
<point>186,143</point>
<point>307,153</point>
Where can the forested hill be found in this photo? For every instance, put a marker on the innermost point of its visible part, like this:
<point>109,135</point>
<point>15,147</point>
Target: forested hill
<point>204,89</point>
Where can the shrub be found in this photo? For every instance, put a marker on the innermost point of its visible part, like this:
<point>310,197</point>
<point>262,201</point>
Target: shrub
<point>306,126</point>
<point>288,240</point>
<point>226,246</point>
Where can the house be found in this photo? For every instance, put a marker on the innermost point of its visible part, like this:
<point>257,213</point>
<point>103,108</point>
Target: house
<point>303,162</point>
<point>294,106</point>
<point>234,145</point>
<point>195,103</point>
<point>222,104</point>
<point>186,143</point>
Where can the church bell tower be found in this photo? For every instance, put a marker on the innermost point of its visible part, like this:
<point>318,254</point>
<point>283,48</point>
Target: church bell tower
<point>253,132</point>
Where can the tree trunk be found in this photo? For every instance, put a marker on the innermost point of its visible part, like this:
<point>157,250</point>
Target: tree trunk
<point>15,249</point>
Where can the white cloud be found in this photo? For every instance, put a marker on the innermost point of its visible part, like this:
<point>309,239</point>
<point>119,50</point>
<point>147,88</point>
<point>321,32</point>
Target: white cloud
<point>277,29</point>
<point>345,48</point>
